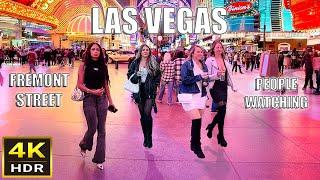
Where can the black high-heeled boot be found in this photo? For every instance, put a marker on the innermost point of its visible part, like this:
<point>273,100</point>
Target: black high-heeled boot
<point>143,125</point>
<point>210,129</point>
<point>195,138</point>
<point>222,141</point>
<point>220,136</point>
<point>149,133</point>
<point>212,125</point>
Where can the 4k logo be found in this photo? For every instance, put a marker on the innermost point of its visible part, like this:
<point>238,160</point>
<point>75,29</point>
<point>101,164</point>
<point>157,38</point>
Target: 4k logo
<point>27,157</point>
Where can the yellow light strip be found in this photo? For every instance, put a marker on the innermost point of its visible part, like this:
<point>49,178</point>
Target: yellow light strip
<point>20,11</point>
<point>79,23</point>
<point>85,25</point>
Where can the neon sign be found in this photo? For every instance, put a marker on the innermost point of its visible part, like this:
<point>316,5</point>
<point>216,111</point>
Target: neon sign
<point>239,7</point>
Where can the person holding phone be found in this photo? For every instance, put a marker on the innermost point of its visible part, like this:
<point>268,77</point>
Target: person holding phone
<point>194,76</point>
<point>93,80</point>
<point>219,79</point>
<point>145,70</point>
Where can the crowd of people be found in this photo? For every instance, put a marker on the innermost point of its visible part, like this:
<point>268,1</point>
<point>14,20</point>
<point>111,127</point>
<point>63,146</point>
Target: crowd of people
<point>46,56</point>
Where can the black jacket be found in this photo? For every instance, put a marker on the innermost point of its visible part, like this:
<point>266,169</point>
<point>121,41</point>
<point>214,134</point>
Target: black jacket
<point>307,60</point>
<point>151,82</point>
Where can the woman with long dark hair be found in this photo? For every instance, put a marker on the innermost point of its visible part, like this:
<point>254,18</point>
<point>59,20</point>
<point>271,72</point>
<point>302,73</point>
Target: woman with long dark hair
<point>193,94</point>
<point>145,70</point>
<point>93,80</point>
<point>220,77</point>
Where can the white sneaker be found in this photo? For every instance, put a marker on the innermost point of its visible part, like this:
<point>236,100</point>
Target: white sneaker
<point>100,166</point>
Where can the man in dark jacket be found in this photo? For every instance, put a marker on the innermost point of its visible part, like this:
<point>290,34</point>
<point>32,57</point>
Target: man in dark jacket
<point>280,63</point>
<point>307,60</point>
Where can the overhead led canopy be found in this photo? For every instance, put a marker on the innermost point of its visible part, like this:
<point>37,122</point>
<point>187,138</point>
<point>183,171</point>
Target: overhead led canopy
<point>20,11</point>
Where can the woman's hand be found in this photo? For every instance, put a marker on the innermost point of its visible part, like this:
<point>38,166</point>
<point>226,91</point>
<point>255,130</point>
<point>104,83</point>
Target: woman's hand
<point>97,92</point>
<point>220,73</point>
<point>139,73</point>
<point>204,76</point>
<point>111,103</point>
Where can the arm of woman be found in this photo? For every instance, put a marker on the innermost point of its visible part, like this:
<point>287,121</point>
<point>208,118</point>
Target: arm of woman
<point>230,78</point>
<point>158,78</point>
<point>80,82</point>
<point>213,72</point>
<point>108,94</point>
<point>131,70</point>
<point>186,78</point>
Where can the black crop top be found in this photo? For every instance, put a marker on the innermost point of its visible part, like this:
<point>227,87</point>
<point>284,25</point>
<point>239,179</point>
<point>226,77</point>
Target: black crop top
<point>95,75</point>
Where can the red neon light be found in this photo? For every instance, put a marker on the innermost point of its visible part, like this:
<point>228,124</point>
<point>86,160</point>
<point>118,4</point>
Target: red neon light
<point>306,14</point>
<point>25,2</point>
<point>287,4</point>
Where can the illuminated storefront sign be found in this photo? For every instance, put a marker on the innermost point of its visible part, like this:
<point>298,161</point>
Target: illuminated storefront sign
<point>287,4</point>
<point>20,11</point>
<point>239,7</point>
<point>305,14</point>
<point>240,14</point>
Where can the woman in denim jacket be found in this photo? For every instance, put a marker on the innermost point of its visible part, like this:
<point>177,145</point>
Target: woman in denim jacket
<point>145,70</point>
<point>220,77</point>
<point>194,81</point>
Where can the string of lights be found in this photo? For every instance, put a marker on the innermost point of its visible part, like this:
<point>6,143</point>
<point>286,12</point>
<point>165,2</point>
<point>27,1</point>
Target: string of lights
<point>27,13</point>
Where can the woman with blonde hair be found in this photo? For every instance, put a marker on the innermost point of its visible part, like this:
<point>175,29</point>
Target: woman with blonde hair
<point>220,77</point>
<point>145,71</point>
<point>193,94</point>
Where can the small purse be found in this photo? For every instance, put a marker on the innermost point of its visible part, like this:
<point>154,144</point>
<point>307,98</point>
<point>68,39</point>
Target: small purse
<point>77,94</point>
<point>129,86</point>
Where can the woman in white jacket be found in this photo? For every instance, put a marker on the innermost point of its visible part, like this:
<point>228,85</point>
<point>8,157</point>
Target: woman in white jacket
<point>220,77</point>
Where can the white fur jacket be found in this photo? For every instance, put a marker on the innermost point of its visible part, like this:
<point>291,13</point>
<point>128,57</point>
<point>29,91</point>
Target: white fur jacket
<point>213,72</point>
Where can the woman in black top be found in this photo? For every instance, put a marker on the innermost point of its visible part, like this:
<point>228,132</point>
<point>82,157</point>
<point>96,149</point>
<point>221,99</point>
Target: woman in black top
<point>93,79</point>
<point>145,70</point>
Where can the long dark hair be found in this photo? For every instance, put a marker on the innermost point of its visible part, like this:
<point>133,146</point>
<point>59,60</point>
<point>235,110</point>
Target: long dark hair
<point>152,65</point>
<point>101,60</point>
<point>216,42</point>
